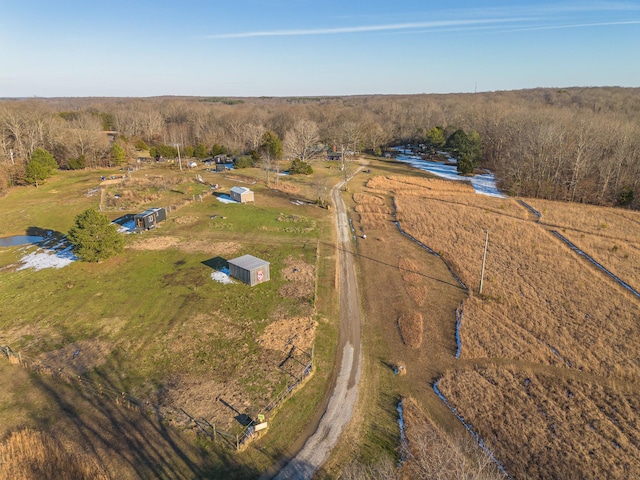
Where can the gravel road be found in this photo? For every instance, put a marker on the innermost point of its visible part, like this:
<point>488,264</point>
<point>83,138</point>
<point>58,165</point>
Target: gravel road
<point>345,390</point>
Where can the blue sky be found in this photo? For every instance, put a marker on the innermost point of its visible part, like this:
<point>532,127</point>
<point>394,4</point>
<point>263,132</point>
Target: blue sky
<point>304,47</point>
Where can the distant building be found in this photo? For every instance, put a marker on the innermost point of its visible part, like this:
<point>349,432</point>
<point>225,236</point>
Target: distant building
<point>241,194</point>
<point>149,218</point>
<point>249,269</point>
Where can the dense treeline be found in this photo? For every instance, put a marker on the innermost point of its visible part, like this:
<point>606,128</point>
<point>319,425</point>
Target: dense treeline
<point>577,144</point>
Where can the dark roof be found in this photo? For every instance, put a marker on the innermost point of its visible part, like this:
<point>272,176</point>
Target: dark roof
<point>249,262</point>
<point>148,212</point>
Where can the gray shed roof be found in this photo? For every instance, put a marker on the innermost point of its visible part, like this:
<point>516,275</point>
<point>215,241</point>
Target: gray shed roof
<point>240,190</point>
<point>147,212</point>
<point>249,262</point>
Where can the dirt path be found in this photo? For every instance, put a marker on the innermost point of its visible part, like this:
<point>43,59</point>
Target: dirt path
<point>342,399</point>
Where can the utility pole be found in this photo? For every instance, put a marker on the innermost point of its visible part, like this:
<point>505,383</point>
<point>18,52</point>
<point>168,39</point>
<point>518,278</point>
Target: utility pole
<point>344,169</point>
<point>484,258</point>
<point>179,161</point>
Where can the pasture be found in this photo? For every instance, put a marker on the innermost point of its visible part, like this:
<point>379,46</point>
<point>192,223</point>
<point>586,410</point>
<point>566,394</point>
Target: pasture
<point>152,322</point>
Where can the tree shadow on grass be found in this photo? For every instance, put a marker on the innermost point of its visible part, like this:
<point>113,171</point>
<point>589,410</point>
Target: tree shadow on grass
<point>49,236</point>
<point>128,440</point>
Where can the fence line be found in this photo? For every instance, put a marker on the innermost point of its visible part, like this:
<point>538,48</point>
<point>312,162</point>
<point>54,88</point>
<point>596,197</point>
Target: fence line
<point>177,416</point>
<point>249,430</point>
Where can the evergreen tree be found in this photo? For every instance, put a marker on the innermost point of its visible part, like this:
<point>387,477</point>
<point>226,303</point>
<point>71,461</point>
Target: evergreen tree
<point>201,151</point>
<point>141,145</point>
<point>298,166</point>
<point>435,137</point>
<point>118,154</point>
<point>245,161</point>
<point>41,165</point>
<point>467,148</point>
<point>271,145</point>
<point>94,237</point>
<point>77,163</point>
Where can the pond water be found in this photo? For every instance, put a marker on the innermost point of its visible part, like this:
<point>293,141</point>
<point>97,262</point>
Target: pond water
<point>483,184</point>
<point>17,240</point>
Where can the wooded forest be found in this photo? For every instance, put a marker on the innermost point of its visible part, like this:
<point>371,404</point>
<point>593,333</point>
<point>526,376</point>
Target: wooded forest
<point>573,144</point>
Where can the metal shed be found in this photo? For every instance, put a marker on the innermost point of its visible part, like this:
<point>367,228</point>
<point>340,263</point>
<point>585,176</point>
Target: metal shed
<point>149,218</point>
<point>249,269</point>
<point>241,194</point>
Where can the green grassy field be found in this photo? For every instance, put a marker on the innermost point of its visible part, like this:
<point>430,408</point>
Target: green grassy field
<point>152,322</point>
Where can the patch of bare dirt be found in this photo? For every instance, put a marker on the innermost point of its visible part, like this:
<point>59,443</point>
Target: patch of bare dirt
<point>301,279</point>
<point>191,246</point>
<point>206,398</point>
<point>223,249</point>
<point>367,198</point>
<point>186,220</point>
<point>409,270</point>
<point>301,332</point>
<point>36,334</point>
<point>410,326</point>
<point>285,187</point>
<point>155,243</point>
<point>418,293</point>
<point>77,357</point>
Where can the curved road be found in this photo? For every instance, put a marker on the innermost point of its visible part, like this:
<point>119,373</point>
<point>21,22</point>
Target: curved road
<point>345,390</point>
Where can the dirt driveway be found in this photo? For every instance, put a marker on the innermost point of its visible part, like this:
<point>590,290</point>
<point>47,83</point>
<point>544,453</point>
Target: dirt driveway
<point>342,400</point>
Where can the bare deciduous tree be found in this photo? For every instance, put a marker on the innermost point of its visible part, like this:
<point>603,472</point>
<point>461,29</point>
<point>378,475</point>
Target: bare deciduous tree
<point>301,140</point>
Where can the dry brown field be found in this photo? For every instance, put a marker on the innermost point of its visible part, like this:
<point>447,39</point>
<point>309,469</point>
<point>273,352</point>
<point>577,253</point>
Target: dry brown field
<point>547,425</point>
<point>614,223</point>
<point>431,453</point>
<point>610,236</point>
<point>549,368</point>
<point>541,302</point>
<point>28,454</point>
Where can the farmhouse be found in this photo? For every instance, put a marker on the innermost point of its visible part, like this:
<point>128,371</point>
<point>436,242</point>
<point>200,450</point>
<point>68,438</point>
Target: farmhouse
<point>249,269</point>
<point>241,194</point>
<point>149,218</point>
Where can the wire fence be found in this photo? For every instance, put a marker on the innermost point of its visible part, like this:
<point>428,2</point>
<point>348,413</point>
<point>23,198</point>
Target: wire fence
<point>173,415</point>
<point>303,359</point>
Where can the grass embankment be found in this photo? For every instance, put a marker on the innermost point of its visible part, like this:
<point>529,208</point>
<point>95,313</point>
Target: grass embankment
<point>548,332</point>
<point>152,322</point>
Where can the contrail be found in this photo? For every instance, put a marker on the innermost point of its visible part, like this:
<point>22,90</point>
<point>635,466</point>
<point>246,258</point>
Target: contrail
<point>364,28</point>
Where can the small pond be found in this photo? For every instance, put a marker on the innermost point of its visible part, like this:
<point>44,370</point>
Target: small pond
<point>17,240</point>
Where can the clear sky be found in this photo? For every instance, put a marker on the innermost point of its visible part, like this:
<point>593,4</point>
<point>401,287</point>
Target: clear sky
<point>312,47</point>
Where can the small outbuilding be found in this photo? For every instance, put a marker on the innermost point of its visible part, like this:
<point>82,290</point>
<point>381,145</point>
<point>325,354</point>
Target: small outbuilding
<point>149,218</point>
<point>249,269</point>
<point>241,194</point>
